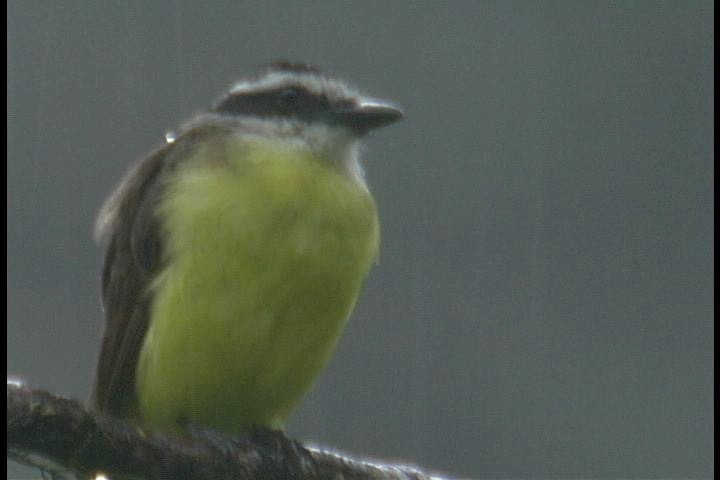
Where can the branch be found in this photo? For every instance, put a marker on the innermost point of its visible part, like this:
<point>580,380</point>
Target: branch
<point>46,429</point>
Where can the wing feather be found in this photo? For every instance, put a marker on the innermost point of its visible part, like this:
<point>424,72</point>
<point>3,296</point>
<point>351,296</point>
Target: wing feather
<point>130,232</point>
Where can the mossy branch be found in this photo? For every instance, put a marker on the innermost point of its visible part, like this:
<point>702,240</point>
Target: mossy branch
<point>62,436</point>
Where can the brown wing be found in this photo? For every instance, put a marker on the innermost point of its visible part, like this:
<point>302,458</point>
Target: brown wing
<point>130,232</point>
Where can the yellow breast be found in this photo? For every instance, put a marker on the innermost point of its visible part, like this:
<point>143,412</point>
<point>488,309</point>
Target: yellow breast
<point>266,251</point>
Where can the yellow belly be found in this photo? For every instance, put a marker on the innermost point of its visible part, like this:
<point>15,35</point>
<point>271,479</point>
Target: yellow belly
<point>266,252</point>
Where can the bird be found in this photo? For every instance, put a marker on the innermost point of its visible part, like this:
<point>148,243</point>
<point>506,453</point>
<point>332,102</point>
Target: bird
<point>235,252</point>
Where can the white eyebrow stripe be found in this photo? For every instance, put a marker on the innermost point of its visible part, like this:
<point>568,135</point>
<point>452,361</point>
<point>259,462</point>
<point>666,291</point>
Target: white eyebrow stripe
<point>313,83</point>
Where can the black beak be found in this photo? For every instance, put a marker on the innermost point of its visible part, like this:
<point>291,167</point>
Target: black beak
<point>363,117</point>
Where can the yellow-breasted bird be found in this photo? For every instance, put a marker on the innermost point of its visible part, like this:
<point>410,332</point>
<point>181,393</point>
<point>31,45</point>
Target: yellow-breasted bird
<point>235,253</point>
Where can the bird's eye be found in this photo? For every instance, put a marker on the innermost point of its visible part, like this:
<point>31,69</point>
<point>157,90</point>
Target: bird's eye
<point>289,97</point>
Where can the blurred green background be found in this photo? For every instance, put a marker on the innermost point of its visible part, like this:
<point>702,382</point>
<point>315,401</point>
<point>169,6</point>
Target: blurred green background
<point>543,302</point>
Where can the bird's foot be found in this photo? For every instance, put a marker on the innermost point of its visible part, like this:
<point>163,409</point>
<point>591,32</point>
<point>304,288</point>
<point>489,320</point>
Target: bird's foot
<point>216,439</point>
<point>286,451</point>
